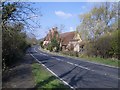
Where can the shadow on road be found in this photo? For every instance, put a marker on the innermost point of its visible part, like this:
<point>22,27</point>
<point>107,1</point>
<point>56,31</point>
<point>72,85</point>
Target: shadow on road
<point>74,78</point>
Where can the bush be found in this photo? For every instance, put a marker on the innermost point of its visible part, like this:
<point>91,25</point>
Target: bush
<point>14,46</point>
<point>41,44</point>
<point>115,50</point>
<point>49,47</point>
<point>90,49</point>
<point>106,46</point>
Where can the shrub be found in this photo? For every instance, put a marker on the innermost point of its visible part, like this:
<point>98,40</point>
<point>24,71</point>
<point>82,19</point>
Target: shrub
<point>106,46</point>
<point>49,47</point>
<point>41,44</point>
<point>115,50</point>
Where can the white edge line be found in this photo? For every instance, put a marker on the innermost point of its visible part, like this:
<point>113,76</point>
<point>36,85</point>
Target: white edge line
<point>53,72</point>
<point>91,62</point>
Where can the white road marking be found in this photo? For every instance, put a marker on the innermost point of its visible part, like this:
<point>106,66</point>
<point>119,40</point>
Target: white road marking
<point>70,63</point>
<point>40,52</point>
<point>58,59</point>
<point>53,73</point>
<point>44,54</point>
<point>35,50</point>
<point>86,67</point>
<point>82,67</point>
<point>95,63</point>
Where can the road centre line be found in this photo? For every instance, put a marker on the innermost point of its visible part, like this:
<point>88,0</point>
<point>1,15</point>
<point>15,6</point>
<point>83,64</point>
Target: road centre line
<point>96,63</point>
<point>35,50</point>
<point>72,63</point>
<point>40,52</point>
<point>84,67</point>
<point>44,54</point>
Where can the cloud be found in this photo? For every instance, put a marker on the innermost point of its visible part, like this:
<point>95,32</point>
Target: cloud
<point>63,14</point>
<point>71,29</point>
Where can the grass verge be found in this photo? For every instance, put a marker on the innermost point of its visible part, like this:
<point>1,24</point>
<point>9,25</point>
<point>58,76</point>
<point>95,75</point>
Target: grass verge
<point>45,80</point>
<point>107,61</point>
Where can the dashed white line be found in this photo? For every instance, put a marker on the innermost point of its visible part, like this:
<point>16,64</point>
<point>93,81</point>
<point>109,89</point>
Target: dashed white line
<point>53,57</point>
<point>53,73</point>
<point>70,63</point>
<point>78,65</point>
<point>35,50</point>
<point>40,52</point>
<point>98,63</point>
<point>84,67</point>
<point>81,66</point>
<point>58,59</point>
<point>44,54</point>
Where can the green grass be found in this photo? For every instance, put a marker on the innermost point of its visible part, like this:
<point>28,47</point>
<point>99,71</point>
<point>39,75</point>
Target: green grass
<point>108,61</point>
<point>44,79</point>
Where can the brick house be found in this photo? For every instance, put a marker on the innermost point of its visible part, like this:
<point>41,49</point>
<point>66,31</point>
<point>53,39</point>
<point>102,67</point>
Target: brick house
<point>68,41</point>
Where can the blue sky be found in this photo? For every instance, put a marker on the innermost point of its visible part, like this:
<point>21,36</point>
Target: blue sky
<point>57,13</point>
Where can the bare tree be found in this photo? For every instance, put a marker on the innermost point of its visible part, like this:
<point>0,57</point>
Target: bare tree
<point>20,12</point>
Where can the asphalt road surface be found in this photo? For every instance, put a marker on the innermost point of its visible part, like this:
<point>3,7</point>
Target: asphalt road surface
<point>77,73</point>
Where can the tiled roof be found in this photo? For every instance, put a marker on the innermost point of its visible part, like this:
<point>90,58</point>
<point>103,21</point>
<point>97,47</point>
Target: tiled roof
<point>66,37</point>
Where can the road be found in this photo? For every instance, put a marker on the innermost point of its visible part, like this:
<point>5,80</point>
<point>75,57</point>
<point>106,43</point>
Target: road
<point>77,73</point>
